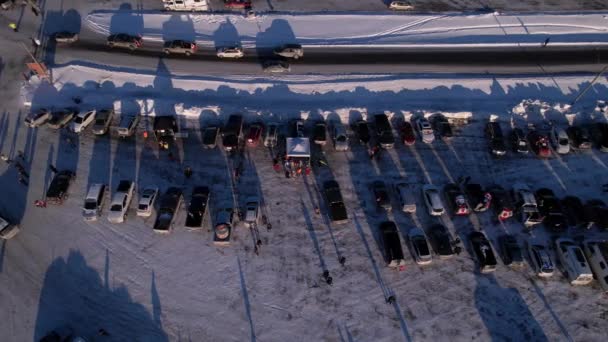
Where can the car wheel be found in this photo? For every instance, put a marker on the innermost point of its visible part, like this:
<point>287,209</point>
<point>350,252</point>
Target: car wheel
<point>188,53</point>
<point>296,56</point>
<point>132,47</point>
<point>167,52</point>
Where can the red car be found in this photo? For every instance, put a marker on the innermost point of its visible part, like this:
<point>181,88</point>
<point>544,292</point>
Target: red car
<point>407,134</point>
<point>237,4</point>
<point>540,144</point>
<point>254,134</point>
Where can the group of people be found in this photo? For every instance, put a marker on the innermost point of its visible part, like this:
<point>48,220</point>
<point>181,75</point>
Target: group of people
<point>292,167</point>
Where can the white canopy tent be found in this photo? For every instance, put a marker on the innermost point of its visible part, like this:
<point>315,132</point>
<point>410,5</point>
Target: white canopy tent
<point>298,147</point>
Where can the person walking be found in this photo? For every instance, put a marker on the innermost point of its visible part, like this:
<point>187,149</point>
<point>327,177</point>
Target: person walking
<point>13,27</point>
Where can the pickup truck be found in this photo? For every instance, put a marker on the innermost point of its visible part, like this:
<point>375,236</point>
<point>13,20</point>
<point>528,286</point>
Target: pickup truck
<point>335,204</point>
<point>169,204</point>
<point>58,190</point>
<point>121,201</point>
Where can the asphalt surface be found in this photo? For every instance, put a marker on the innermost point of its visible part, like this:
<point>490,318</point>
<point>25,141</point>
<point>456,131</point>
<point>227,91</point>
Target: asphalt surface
<point>334,60</point>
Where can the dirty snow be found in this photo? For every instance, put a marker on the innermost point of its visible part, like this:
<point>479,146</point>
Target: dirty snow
<point>270,30</point>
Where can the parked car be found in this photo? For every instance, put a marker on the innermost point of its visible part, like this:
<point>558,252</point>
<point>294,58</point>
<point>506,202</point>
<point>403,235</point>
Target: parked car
<point>232,133</point>
<point>574,262</point>
<point>127,126</point>
<point>599,135</point>
<point>525,203</point>
<point>419,245</point>
<point>483,252</point>
<point>94,201</point>
<point>458,202</point>
<point>37,118</point>
<point>381,196</point>
<point>502,202</point>
<point>405,198</point>
<point>319,133</point>
<point>407,134</point>
<point>252,211</point>
<point>222,232</point>
<point>551,209</point>
<point>271,135</point>
<point>61,118</point>
<point>426,130</point>
<point>539,144</point>
<point>170,203</point>
<point>559,140</point>
<point>146,201</point>
<point>478,199</point>
<point>210,135</point>
<point>60,186</point>
<point>443,241</point>
<point>103,118</point>
<point>7,229</point>
<point>362,129</point>
<point>294,51</point>
<point>65,37</point>
<point>198,209</point>
<point>384,131</point>
<point>124,40</point>
<point>335,204</point>
<point>512,254</point>
<point>339,137</point>
<point>579,137</point>
<point>401,6</point>
<point>432,199</point>
<point>495,138</point>
<point>230,52</point>
<point>180,47</point>
<point>442,127</point>
<point>519,141</point>
<point>121,201</point>
<point>254,135</point>
<point>596,252</point>
<point>540,260</point>
<point>82,121</point>
<point>574,211</point>
<point>275,66</point>
<point>393,253</point>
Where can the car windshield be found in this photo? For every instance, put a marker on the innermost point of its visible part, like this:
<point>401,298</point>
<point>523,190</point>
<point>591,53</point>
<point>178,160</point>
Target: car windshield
<point>341,138</point>
<point>90,204</point>
<point>116,207</point>
<point>563,142</point>
<point>143,207</point>
<point>78,120</point>
<point>99,121</point>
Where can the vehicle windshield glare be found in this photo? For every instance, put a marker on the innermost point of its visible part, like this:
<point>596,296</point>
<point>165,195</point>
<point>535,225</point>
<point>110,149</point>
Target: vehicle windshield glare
<point>90,204</point>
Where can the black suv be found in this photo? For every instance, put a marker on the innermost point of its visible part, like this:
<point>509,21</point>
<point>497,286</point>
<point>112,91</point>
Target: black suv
<point>384,131</point>
<point>495,139</point>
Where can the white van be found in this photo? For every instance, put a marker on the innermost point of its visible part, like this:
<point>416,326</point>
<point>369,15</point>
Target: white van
<point>574,262</point>
<point>93,202</point>
<point>597,254</point>
<point>186,5</point>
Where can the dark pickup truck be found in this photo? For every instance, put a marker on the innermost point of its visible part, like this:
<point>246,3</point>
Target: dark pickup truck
<point>335,204</point>
<point>169,204</point>
<point>232,132</point>
<point>197,210</point>
<point>58,190</point>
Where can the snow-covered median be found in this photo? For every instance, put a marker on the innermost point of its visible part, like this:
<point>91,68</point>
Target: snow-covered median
<point>269,30</point>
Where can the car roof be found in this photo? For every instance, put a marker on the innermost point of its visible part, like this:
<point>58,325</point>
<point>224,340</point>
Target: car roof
<point>94,190</point>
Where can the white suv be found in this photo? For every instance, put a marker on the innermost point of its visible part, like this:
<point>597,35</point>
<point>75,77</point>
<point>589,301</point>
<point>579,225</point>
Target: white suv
<point>433,200</point>
<point>146,201</point>
<point>82,121</point>
<point>573,259</point>
<point>93,202</point>
<point>230,52</point>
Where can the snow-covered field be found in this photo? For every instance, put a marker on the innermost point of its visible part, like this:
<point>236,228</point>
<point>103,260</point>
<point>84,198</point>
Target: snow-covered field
<point>270,30</point>
<point>138,285</point>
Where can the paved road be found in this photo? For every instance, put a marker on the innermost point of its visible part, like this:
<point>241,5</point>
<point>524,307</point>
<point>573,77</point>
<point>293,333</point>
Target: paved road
<point>334,60</point>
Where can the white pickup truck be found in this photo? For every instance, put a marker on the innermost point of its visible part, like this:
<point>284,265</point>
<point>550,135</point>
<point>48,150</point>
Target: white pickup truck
<point>121,201</point>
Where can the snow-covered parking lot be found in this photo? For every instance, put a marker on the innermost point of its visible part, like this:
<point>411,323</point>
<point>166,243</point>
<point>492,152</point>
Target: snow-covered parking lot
<point>139,285</point>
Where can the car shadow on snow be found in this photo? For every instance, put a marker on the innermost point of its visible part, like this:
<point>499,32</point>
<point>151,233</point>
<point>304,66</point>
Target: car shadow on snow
<point>226,35</point>
<point>74,295</point>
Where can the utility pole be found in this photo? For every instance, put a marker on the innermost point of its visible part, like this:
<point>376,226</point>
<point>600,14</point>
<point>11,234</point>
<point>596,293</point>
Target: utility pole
<point>578,97</point>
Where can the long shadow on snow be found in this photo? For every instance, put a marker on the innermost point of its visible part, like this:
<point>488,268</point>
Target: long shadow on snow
<point>279,32</point>
<point>128,21</point>
<point>178,28</point>
<point>226,35</point>
<point>73,294</point>
<point>53,22</point>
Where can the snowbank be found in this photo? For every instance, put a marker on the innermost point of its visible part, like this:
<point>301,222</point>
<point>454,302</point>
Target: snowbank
<point>268,30</point>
